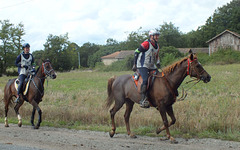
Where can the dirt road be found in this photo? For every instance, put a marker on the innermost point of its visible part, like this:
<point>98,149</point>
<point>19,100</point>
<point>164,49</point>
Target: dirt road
<point>48,138</point>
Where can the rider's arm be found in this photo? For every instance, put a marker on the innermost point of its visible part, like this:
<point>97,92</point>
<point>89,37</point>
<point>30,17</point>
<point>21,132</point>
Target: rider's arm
<point>142,48</point>
<point>18,60</point>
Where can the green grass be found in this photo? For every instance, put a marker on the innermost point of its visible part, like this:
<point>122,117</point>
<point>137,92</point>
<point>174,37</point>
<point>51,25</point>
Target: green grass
<point>76,100</point>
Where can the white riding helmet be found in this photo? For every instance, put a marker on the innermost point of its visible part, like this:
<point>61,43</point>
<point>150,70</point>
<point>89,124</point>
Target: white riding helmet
<point>153,32</point>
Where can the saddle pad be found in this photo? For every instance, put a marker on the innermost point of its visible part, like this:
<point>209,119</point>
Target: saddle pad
<point>138,82</point>
<point>16,84</point>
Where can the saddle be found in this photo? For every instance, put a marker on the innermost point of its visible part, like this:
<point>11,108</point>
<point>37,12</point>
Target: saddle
<point>26,84</point>
<point>137,79</point>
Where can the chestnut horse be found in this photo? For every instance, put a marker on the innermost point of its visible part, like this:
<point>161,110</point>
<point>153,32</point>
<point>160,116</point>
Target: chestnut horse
<point>33,96</point>
<point>162,93</point>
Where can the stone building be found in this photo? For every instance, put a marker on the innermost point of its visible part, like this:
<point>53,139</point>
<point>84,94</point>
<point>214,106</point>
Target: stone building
<point>226,39</point>
<point>119,55</point>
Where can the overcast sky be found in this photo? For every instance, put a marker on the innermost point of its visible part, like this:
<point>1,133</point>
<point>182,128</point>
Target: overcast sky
<point>95,21</point>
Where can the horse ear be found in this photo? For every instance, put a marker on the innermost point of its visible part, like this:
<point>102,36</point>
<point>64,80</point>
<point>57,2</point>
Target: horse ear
<point>191,54</point>
<point>47,60</point>
<point>190,51</point>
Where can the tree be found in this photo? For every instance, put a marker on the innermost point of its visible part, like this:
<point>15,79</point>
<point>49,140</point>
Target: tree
<point>170,35</point>
<point>56,49</point>
<point>10,40</point>
<point>135,38</point>
<point>225,17</point>
<point>86,50</point>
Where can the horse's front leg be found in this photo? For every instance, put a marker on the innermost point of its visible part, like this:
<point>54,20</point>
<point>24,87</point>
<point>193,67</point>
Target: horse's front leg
<point>163,113</point>
<point>16,108</point>
<point>169,111</point>
<point>32,117</point>
<point>171,114</point>
<point>36,107</point>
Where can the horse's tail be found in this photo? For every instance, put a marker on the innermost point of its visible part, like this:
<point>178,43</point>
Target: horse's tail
<point>109,91</point>
<point>7,91</point>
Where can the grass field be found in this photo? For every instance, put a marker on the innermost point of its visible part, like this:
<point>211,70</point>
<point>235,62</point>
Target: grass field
<point>76,100</point>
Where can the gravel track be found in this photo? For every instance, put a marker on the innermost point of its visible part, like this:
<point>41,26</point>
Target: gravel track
<point>49,138</point>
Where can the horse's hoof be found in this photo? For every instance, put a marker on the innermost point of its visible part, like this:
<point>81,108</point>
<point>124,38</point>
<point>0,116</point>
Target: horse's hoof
<point>133,136</point>
<point>19,124</point>
<point>174,142</point>
<point>164,138</point>
<point>36,127</point>
<point>111,133</point>
<point>6,125</point>
<point>158,131</point>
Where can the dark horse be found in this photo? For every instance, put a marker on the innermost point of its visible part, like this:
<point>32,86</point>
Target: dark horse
<point>33,96</point>
<point>162,93</point>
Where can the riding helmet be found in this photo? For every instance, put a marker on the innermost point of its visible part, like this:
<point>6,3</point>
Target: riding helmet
<point>25,45</point>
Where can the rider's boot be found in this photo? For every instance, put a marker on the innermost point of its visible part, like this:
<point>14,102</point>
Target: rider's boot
<point>144,103</point>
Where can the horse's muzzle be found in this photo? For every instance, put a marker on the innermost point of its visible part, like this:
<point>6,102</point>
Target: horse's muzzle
<point>206,79</point>
<point>53,76</point>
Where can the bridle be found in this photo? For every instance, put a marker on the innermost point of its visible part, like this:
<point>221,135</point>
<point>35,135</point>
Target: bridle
<point>45,71</point>
<point>190,69</point>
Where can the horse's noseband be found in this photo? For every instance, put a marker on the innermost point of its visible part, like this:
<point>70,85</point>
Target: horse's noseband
<point>45,71</point>
<point>189,72</point>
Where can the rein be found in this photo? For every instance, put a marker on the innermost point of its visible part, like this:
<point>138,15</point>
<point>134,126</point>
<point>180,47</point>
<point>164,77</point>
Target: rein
<point>189,72</point>
<point>45,74</point>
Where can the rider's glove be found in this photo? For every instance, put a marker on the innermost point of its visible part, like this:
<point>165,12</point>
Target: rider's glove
<point>134,68</point>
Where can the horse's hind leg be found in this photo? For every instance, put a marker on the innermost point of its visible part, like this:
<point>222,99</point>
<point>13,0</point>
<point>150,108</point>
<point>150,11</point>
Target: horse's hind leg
<point>113,111</point>
<point>16,108</point>
<point>129,107</point>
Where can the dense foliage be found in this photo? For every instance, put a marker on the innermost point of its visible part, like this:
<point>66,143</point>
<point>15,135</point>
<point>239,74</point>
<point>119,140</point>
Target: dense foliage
<point>66,55</point>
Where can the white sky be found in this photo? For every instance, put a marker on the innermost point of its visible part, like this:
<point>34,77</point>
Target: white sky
<point>95,21</point>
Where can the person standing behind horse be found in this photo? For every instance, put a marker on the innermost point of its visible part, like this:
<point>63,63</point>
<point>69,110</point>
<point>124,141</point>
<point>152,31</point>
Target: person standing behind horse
<point>24,63</point>
<point>145,58</point>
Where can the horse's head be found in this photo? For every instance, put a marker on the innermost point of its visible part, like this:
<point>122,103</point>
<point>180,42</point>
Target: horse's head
<point>195,69</point>
<point>48,70</point>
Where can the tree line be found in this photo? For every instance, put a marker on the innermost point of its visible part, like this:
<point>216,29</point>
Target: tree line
<point>64,53</point>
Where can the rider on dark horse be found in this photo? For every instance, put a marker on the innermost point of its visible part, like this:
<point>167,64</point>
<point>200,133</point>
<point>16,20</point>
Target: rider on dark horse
<point>24,63</point>
<point>145,58</point>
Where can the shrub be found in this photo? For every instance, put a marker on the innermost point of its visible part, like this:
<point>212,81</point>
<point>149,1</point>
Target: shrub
<point>168,55</point>
<point>225,56</point>
<point>203,58</point>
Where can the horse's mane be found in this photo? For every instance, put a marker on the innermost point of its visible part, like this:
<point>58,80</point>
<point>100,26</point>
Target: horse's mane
<point>47,60</point>
<point>37,69</point>
<point>171,67</point>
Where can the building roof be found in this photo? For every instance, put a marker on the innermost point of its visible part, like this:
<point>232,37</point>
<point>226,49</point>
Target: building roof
<point>119,54</point>
<point>233,33</point>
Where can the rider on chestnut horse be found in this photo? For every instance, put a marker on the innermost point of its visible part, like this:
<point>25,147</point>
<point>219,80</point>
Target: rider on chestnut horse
<point>145,58</point>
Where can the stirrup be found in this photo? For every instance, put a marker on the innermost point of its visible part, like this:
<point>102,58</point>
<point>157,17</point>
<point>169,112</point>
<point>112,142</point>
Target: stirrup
<point>144,103</point>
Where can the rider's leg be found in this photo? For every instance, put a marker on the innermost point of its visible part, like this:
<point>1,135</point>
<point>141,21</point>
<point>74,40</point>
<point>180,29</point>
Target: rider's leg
<point>20,87</point>
<point>144,102</point>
